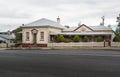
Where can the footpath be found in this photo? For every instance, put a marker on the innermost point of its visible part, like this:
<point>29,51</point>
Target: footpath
<point>62,48</point>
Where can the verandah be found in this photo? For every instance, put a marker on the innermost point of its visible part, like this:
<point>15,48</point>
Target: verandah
<point>91,38</point>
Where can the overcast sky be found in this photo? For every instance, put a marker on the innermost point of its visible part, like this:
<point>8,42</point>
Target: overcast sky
<point>71,12</point>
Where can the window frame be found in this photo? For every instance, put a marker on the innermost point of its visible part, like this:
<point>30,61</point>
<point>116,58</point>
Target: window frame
<point>42,36</point>
<point>27,36</point>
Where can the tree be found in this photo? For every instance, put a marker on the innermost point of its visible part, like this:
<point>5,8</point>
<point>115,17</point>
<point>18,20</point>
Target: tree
<point>118,26</point>
<point>117,30</point>
<point>17,34</point>
<point>116,38</point>
<point>76,38</point>
<point>99,39</point>
<point>85,39</point>
<point>61,38</point>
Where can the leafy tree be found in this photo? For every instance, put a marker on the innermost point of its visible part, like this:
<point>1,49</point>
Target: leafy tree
<point>118,30</point>
<point>18,35</point>
<point>116,38</point>
<point>118,26</point>
<point>76,38</point>
<point>99,39</point>
<point>61,38</point>
<point>85,39</point>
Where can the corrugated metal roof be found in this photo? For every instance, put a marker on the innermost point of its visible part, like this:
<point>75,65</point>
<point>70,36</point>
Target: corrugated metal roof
<point>100,27</point>
<point>6,36</point>
<point>70,29</point>
<point>44,22</point>
<point>92,27</point>
<point>82,33</point>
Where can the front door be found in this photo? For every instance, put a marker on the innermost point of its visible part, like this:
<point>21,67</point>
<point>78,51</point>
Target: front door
<point>34,38</point>
<point>34,32</point>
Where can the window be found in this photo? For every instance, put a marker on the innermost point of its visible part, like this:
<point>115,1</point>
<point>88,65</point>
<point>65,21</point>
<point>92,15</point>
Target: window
<point>27,36</point>
<point>41,35</point>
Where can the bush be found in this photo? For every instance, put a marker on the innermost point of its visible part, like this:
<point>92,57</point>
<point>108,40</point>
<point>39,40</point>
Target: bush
<point>99,39</point>
<point>76,38</point>
<point>116,38</point>
<point>68,40</point>
<point>61,38</point>
<point>85,39</point>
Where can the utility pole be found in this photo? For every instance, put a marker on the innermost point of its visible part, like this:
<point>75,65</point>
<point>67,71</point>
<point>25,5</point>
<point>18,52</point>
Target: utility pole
<point>103,20</point>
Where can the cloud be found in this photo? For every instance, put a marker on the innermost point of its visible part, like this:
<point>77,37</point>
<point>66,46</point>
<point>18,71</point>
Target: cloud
<point>71,12</point>
<point>13,13</point>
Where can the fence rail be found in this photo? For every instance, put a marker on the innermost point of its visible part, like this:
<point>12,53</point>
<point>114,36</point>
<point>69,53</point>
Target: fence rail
<point>84,44</point>
<point>88,44</point>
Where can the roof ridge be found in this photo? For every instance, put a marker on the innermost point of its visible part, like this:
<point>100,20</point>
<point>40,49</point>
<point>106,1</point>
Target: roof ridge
<point>41,20</point>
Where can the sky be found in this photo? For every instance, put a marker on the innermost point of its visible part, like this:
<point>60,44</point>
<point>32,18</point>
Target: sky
<point>13,13</point>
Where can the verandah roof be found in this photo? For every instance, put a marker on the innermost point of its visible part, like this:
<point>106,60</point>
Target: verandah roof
<point>82,33</point>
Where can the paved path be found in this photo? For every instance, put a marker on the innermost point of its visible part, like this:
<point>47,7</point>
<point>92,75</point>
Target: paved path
<point>59,63</point>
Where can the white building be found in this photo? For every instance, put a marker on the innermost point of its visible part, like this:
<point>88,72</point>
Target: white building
<point>44,31</point>
<point>7,40</point>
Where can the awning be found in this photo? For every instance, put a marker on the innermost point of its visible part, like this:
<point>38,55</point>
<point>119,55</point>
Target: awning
<point>82,33</point>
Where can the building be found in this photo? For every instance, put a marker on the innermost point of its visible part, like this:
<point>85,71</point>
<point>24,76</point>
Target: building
<point>44,31</point>
<point>7,40</point>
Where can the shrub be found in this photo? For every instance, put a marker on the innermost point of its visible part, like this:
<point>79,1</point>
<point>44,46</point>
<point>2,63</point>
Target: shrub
<point>61,38</point>
<point>99,39</point>
<point>116,38</point>
<point>85,39</point>
<point>76,38</point>
<point>68,40</point>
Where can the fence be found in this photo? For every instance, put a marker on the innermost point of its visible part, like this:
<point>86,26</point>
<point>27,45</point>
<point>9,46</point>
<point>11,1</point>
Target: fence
<point>115,44</point>
<point>80,44</point>
<point>84,44</point>
<point>3,45</point>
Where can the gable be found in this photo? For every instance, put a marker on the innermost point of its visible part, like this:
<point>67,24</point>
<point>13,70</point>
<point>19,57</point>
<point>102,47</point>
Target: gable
<point>83,28</point>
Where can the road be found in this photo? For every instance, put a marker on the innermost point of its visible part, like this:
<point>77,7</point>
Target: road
<point>59,63</point>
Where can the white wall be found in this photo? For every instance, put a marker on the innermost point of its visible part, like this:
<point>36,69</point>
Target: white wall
<point>80,44</point>
<point>3,45</point>
<point>45,30</point>
<point>85,28</point>
<point>115,44</point>
<point>46,34</point>
<point>24,30</point>
<point>54,30</point>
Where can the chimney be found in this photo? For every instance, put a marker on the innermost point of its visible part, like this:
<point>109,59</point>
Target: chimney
<point>58,20</point>
<point>22,24</point>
